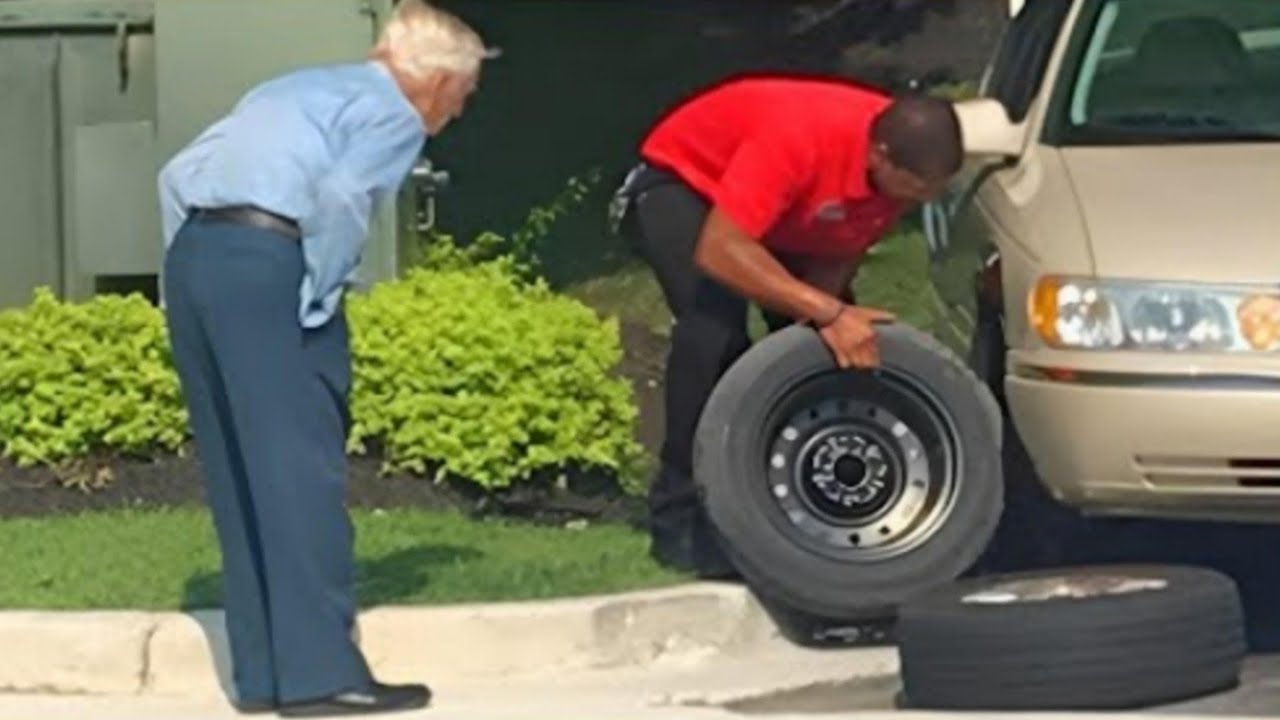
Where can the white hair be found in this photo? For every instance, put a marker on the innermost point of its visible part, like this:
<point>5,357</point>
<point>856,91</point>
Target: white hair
<point>419,38</point>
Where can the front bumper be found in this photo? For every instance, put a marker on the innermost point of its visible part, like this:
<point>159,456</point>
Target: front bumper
<point>1192,445</point>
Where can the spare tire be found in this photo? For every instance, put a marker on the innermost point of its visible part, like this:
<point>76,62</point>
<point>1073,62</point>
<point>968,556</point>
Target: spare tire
<point>841,493</point>
<point>1092,638</point>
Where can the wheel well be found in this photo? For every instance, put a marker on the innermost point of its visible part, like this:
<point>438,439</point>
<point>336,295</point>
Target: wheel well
<point>988,286</point>
<point>987,348</point>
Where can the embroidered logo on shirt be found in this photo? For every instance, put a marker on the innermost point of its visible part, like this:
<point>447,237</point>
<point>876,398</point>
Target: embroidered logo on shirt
<point>832,211</point>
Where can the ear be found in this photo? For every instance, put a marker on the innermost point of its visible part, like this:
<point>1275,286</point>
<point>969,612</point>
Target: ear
<point>434,82</point>
<point>878,156</point>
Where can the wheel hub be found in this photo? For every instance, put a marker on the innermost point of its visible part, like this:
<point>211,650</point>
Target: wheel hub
<point>849,472</point>
<point>853,478</point>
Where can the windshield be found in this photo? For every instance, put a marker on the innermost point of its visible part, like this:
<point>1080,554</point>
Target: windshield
<point>1175,71</point>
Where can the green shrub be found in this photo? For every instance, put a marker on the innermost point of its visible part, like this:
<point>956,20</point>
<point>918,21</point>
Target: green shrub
<point>467,369</point>
<point>82,377</point>
<point>960,90</point>
<point>469,365</point>
<point>487,377</point>
<point>519,250</point>
<point>441,252</point>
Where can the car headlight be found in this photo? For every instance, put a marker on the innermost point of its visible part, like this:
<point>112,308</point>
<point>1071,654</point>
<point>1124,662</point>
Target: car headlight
<point>1101,314</point>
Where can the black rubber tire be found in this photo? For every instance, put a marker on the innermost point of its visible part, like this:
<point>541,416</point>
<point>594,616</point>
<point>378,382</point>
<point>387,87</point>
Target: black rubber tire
<point>1107,652</point>
<point>730,470</point>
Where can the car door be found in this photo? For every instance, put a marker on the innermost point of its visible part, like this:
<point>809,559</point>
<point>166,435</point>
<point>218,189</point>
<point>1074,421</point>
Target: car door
<point>956,226</point>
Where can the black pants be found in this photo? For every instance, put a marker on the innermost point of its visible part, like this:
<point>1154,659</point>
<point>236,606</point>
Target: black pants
<point>663,222</point>
<point>268,406</point>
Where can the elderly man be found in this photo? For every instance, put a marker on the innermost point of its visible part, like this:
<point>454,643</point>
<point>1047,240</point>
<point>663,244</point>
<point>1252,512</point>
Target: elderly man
<point>265,215</point>
<point>769,190</point>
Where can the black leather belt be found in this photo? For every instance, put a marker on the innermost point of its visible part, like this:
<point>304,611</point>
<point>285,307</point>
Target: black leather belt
<point>640,180</point>
<point>250,216</point>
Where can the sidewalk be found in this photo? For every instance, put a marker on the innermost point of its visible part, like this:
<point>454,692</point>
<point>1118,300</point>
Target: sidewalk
<point>700,651</point>
<point>677,691</point>
<point>164,654</point>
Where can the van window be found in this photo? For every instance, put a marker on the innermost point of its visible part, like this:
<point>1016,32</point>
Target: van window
<point>1174,71</point>
<point>1018,70</point>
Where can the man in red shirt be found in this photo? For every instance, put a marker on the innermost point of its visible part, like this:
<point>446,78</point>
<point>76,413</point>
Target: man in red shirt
<point>767,190</point>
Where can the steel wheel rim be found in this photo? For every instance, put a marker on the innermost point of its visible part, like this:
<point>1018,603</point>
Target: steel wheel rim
<point>900,459</point>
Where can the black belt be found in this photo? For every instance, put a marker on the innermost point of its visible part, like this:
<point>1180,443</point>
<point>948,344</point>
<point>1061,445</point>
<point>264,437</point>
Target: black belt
<point>640,180</point>
<point>250,216</point>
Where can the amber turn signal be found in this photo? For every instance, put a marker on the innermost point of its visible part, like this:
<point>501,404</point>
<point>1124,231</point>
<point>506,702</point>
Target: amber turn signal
<point>1259,317</point>
<point>1043,309</point>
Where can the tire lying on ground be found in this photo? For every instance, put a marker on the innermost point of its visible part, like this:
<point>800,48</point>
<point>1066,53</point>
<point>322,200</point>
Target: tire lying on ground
<point>841,493</point>
<point>1092,638</point>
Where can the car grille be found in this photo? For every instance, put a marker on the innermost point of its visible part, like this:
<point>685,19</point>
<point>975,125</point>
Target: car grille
<point>1174,472</point>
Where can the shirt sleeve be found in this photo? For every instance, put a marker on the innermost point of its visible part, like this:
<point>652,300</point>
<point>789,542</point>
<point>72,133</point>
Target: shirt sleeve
<point>764,178</point>
<point>173,211</point>
<point>382,143</point>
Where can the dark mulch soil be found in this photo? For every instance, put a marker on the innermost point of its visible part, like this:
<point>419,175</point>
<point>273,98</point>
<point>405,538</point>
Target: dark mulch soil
<point>176,480</point>
<point>644,362</point>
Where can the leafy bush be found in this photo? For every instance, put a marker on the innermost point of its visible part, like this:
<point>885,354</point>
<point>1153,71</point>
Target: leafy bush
<point>486,377</point>
<point>470,370</point>
<point>961,90</point>
<point>76,378</point>
<point>468,364</point>
<point>519,250</point>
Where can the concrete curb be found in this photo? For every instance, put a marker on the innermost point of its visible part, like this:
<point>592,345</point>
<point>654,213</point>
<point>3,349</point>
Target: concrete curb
<point>138,653</point>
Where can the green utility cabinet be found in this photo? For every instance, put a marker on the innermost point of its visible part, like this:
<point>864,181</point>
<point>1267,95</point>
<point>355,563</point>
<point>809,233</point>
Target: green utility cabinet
<point>98,94</point>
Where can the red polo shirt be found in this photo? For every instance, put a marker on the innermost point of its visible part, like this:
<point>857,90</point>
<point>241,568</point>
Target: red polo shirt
<point>784,158</point>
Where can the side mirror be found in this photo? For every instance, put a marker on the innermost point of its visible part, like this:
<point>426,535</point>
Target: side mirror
<point>987,131</point>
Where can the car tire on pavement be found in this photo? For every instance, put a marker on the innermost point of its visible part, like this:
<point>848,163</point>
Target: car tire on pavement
<point>1090,638</point>
<point>841,493</point>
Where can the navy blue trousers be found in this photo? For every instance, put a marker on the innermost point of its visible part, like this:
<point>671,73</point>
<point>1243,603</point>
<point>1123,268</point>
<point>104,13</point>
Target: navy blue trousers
<point>268,406</point>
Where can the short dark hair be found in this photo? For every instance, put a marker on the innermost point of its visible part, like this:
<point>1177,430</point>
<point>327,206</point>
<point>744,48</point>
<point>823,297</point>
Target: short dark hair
<point>922,134</point>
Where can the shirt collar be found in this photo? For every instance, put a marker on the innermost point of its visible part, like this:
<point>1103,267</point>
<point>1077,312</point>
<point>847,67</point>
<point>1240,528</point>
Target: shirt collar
<point>384,72</point>
<point>857,185</point>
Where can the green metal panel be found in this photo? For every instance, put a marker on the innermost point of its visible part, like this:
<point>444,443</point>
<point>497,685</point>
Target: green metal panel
<point>107,89</point>
<point>210,52</point>
<point>48,14</point>
<point>99,93</point>
<point>29,251</point>
<point>114,213</point>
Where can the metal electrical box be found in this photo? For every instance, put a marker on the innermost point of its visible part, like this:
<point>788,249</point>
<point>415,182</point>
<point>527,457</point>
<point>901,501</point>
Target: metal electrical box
<point>98,94</point>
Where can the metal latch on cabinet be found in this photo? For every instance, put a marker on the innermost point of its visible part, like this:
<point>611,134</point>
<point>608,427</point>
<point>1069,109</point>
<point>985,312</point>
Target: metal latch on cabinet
<point>122,53</point>
<point>427,181</point>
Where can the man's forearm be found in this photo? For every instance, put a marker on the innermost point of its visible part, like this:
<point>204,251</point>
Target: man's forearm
<point>744,265</point>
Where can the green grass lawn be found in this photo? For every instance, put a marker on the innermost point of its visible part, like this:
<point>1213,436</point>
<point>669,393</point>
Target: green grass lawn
<point>164,560</point>
<point>895,276</point>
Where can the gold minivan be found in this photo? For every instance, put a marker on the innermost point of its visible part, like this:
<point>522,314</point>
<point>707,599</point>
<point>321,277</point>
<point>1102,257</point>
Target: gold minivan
<point>1110,257</point>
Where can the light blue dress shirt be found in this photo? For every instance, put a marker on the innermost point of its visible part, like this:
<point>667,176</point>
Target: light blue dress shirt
<point>324,146</point>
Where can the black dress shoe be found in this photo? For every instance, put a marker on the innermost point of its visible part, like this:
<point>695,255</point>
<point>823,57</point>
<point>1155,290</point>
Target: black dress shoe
<point>378,698</point>
<point>254,707</point>
<point>687,543</point>
<point>706,562</point>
